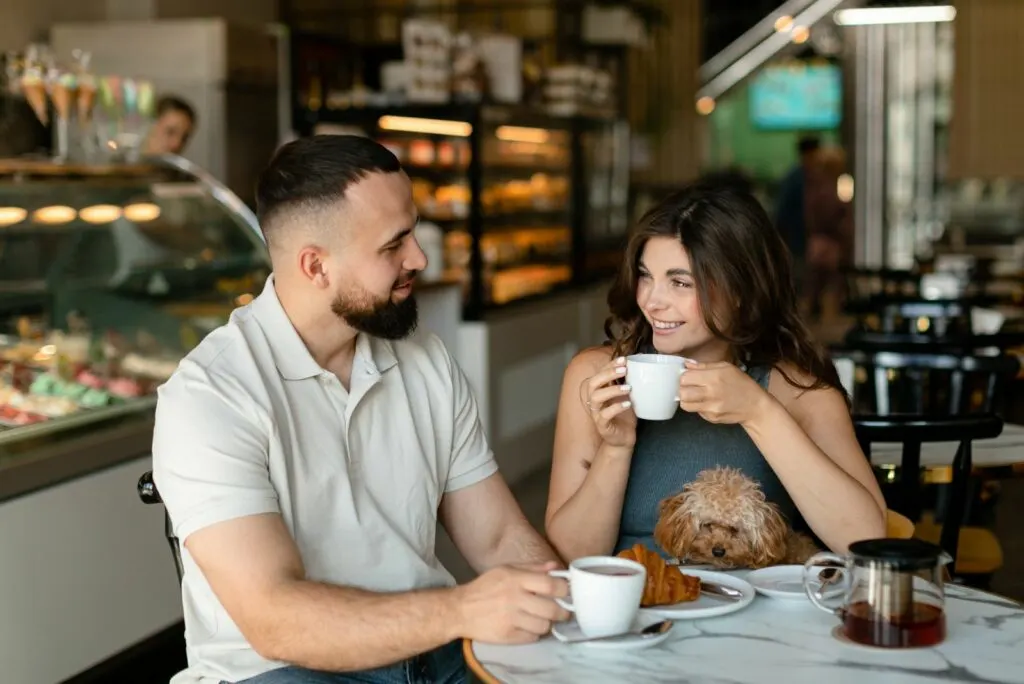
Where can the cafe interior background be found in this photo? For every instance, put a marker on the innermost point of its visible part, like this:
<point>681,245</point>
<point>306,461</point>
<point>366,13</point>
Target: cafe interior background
<point>535,133</point>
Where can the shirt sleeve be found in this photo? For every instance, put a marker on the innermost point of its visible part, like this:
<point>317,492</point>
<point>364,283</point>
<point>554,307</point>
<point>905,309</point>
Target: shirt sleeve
<point>209,453</point>
<point>472,458</point>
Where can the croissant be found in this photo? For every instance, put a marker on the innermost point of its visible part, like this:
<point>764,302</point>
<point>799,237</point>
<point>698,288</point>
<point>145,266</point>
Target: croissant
<point>665,585</point>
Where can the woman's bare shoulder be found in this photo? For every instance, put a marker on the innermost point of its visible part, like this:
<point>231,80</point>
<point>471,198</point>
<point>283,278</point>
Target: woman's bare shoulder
<point>590,360</point>
<point>793,395</point>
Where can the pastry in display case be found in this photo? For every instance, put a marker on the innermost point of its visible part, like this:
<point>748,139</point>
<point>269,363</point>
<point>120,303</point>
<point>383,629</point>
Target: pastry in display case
<point>109,275</point>
<point>497,180</point>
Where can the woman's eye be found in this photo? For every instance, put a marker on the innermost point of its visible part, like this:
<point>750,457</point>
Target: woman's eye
<point>681,283</point>
<point>645,276</point>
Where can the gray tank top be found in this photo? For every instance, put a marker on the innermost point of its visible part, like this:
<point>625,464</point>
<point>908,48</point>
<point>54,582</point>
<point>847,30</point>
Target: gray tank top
<point>670,453</point>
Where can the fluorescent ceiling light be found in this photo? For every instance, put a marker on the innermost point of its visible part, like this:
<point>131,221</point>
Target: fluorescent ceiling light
<point>865,16</point>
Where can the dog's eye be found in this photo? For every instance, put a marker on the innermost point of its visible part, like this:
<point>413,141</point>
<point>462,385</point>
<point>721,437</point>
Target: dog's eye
<point>705,526</point>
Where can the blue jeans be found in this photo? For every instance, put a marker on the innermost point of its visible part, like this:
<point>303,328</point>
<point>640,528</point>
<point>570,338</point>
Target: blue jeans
<point>444,665</point>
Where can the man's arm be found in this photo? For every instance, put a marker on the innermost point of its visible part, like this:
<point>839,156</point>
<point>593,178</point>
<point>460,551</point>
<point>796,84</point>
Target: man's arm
<point>489,528</point>
<point>256,572</point>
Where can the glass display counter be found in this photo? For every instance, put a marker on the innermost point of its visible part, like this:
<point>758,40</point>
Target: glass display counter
<point>108,277</point>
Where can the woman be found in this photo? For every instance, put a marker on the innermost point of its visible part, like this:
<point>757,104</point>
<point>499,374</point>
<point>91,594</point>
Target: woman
<point>707,276</point>
<point>174,124</point>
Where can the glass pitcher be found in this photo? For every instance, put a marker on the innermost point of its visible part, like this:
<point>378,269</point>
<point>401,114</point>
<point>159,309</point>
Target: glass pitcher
<point>889,592</point>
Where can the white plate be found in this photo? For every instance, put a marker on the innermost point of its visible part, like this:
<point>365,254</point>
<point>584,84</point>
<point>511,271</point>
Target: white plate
<point>787,582</point>
<point>570,631</point>
<point>708,606</point>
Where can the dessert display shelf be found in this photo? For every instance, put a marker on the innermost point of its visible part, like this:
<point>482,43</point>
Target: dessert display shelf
<point>109,275</point>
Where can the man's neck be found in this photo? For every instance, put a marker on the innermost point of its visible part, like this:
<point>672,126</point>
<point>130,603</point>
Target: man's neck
<point>330,341</point>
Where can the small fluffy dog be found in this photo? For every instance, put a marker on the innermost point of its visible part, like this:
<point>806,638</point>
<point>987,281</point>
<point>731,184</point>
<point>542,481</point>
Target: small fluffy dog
<point>722,519</point>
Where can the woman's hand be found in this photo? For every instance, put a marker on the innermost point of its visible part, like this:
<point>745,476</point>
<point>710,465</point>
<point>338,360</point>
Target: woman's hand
<point>721,393</point>
<point>609,405</point>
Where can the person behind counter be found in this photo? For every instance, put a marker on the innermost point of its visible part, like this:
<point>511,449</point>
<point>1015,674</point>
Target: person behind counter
<point>704,276</point>
<point>306,449</point>
<point>175,122</point>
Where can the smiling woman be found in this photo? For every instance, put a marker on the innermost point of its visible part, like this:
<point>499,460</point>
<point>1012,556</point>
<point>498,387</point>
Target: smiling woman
<point>707,277</point>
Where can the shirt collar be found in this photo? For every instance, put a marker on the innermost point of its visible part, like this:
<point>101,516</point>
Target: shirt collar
<point>292,358</point>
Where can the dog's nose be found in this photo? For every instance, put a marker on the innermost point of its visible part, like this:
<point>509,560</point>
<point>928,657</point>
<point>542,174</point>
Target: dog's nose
<point>718,552</point>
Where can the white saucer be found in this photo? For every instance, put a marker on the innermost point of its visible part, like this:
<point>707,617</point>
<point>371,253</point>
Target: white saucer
<point>708,606</point>
<point>570,631</point>
<point>787,582</point>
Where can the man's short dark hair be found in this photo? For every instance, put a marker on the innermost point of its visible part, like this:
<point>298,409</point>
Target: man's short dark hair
<point>807,144</point>
<point>173,103</point>
<point>317,171</point>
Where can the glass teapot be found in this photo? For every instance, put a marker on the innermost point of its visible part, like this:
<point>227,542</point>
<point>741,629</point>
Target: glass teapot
<point>888,592</point>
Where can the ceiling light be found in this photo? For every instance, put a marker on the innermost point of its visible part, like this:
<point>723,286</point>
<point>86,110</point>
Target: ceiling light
<point>100,213</point>
<point>705,105</point>
<point>140,212</point>
<point>784,23</point>
<point>54,215</point>
<point>11,215</point>
<point>801,34</point>
<point>864,16</point>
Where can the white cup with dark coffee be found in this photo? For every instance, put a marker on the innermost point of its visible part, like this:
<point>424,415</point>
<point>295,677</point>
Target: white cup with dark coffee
<point>654,384</point>
<point>606,593</point>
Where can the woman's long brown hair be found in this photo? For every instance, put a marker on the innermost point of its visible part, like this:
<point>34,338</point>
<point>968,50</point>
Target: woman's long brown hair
<point>743,273</point>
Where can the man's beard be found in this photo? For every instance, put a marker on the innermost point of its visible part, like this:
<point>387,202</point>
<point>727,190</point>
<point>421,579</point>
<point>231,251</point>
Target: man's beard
<point>385,319</point>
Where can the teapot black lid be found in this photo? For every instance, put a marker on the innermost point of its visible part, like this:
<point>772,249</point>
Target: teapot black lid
<point>901,554</point>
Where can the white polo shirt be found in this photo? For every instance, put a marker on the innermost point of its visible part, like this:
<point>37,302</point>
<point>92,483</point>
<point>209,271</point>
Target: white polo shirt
<point>250,424</point>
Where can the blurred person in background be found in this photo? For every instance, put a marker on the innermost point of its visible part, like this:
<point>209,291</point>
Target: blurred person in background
<point>829,222</point>
<point>175,122</point>
<point>789,216</point>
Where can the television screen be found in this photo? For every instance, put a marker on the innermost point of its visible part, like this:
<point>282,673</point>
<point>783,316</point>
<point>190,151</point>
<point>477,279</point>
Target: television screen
<point>797,96</point>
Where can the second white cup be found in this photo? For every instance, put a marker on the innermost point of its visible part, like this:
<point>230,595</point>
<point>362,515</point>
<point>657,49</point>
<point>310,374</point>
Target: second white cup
<point>606,593</point>
<point>654,384</point>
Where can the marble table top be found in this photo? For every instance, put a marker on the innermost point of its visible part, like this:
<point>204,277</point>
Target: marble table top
<point>784,641</point>
<point>1006,449</point>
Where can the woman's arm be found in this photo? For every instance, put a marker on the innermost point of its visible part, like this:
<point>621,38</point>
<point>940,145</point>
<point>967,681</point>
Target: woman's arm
<point>807,437</point>
<point>588,477</point>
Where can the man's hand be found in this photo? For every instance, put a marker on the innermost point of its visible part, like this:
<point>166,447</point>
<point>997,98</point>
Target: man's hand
<point>511,605</point>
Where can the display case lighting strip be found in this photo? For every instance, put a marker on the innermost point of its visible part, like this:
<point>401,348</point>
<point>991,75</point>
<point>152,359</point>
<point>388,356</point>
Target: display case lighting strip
<point>522,134</point>
<point>412,124</point>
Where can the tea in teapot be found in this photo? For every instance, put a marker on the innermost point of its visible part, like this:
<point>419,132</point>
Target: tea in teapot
<point>892,594</point>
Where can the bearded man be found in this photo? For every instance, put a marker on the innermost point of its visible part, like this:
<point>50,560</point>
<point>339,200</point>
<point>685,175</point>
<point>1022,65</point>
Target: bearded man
<point>306,450</point>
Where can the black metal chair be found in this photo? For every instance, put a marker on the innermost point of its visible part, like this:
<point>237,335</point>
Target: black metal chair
<point>149,494</point>
<point>926,381</point>
<point>913,431</point>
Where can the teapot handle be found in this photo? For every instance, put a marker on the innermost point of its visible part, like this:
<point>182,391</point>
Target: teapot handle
<point>812,569</point>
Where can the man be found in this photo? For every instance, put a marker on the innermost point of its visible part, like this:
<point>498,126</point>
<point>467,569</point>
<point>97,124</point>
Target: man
<point>306,449</point>
<point>174,124</point>
<point>790,212</point>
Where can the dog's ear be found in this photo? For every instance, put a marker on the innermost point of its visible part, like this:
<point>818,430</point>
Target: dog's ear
<point>677,527</point>
<point>768,535</point>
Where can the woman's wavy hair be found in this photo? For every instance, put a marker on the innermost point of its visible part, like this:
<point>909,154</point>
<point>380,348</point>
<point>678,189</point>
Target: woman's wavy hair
<point>744,281</point>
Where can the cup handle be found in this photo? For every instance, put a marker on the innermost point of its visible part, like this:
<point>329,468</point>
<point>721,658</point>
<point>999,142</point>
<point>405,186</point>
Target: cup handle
<point>813,562</point>
<point>564,574</point>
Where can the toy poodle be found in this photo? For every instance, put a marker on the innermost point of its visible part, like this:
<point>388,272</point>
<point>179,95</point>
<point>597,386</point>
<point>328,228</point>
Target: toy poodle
<point>722,519</point>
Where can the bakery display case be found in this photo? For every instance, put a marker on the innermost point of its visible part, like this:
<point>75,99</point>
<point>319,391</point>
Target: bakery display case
<point>109,275</point>
<point>528,203</point>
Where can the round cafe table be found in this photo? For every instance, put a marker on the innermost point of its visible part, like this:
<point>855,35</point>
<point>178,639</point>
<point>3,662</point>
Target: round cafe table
<point>775,640</point>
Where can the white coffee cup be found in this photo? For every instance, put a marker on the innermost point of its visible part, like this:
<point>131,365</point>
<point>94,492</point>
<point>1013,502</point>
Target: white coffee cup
<point>654,384</point>
<point>606,593</point>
